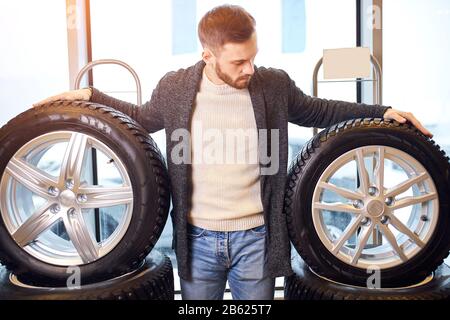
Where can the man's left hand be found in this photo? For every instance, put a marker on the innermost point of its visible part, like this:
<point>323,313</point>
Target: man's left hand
<point>402,117</point>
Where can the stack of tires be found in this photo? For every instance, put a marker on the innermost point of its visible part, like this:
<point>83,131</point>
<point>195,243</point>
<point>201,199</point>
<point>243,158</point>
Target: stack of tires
<point>84,198</point>
<point>367,204</point>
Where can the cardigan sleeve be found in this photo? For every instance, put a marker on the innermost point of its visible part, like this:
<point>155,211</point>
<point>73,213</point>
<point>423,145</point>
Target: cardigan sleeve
<point>148,115</point>
<point>310,111</point>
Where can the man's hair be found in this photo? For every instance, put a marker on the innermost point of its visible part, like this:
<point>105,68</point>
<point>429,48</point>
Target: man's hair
<point>223,24</point>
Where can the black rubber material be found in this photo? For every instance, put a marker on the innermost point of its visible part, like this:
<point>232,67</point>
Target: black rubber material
<point>318,154</point>
<point>305,285</point>
<point>143,162</point>
<point>153,280</point>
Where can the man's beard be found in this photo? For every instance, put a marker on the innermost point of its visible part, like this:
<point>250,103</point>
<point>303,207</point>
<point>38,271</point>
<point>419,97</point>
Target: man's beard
<point>240,83</point>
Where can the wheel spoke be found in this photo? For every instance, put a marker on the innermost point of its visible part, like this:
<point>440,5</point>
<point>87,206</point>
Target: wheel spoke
<point>346,193</point>
<point>409,201</point>
<point>379,171</point>
<point>363,237</point>
<point>99,197</point>
<point>73,159</point>
<point>37,223</point>
<point>363,175</point>
<point>348,232</point>
<point>402,187</point>
<point>36,201</point>
<point>78,232</point>
<point>405,230</point>
<point>393,241</point>
<point>374,207</point>
<point>34,179</point>
<point>337,207</point>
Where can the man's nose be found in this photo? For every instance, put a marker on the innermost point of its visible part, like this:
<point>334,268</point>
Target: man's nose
<point>249,69</point>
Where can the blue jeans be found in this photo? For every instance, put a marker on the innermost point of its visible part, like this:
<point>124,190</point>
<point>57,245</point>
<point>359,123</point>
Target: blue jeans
<point>236,256</point>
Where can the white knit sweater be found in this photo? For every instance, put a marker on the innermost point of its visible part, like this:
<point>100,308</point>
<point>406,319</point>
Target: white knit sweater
<point>225,173</point>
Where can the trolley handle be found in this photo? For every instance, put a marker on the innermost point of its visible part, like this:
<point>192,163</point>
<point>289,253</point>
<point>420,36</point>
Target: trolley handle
<point>378,79</point>
<point>92,64</point>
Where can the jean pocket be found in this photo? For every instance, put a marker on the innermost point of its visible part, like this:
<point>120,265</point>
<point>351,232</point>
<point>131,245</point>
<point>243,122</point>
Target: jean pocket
<point>194,232</point>
<point>259,231</point>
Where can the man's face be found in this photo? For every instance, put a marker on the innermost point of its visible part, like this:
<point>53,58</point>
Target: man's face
<point>233,63</point>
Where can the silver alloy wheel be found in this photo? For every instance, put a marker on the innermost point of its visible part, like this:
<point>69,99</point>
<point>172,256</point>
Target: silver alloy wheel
<point>40,192</point>
<point>385,229</point>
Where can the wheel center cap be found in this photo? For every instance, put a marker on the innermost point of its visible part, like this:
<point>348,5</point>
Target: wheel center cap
<point>67,198</point>
<point>375,208</point>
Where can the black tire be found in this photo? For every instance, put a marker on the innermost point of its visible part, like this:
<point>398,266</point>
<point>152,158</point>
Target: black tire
<point>319,153</point>
<point>143,163</point>
<point>305,285</point>
<point>153,280</point>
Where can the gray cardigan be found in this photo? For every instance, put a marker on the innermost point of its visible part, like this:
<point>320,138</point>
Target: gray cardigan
<point>276,101</point>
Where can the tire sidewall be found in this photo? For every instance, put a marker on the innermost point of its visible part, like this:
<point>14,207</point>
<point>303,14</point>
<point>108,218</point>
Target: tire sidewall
<point>305,285</point>
<point>121,141</point>
<point>156,268</point>
<point>305,237</point>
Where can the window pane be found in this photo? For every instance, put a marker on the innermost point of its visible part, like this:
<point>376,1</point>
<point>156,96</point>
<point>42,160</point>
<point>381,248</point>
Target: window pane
<point>416,65</point>
<point>33,46</point>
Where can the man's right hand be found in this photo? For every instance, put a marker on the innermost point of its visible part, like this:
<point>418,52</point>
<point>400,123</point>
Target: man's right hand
<point>80,94</point>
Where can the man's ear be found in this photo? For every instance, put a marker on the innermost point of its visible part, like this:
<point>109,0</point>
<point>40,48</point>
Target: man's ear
<point>207,56</point>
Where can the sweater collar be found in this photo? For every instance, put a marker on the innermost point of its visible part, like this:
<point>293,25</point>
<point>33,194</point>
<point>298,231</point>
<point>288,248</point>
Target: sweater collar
<point>255,89</point>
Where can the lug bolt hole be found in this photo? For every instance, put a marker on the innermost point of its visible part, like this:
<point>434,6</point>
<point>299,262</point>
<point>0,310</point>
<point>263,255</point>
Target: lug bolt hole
<point>385,220</point>
<point>358,204</point>
<point>69,184</point>
<point>55,208</point>
<point>82,198</point>
<point>373,191</point>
